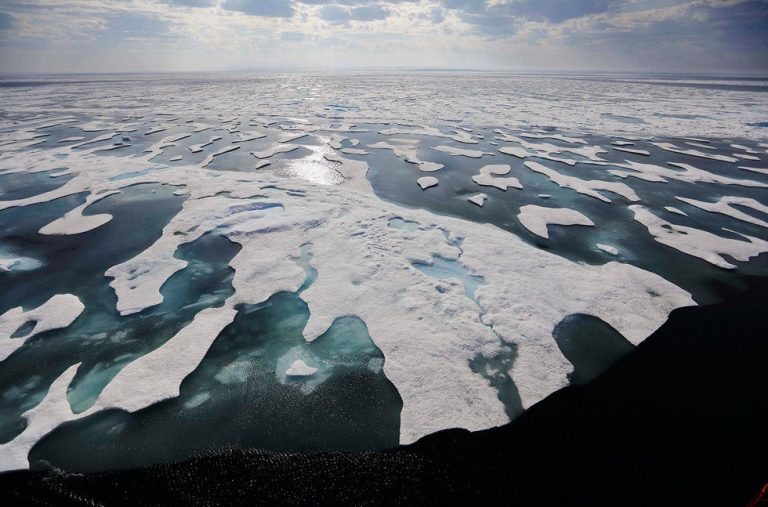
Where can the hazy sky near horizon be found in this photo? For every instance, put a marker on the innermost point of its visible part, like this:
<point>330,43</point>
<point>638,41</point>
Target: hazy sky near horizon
<point>711,36</point>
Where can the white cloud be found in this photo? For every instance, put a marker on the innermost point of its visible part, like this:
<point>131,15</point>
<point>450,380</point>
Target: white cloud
<point>214,34</point>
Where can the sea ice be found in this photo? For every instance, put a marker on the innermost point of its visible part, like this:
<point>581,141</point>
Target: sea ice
<point>58,312</point>
<point>699,243</point>
<point>195,148</point>
<point>300,369</point>
<point>221,151</point>
<point>41,420</point>
<point>361,259</point>
<point>725,207</point>
<point>487,177</point>
<point>98,139</point>
<point>745,156</point>
<point>408,150</point>
<point>537,218</point>
<point>546,150</point>
<point>745,148</point>
<point>275,149</point>
<point>157,375</point>
<point>645,153</point>
<point>515,151</point>
<point>690,174</point>
<point>75,222</point>
<point>677,211</point>
<point>250,135</point>
<point>458,136</point>
<point>608,249</point>
<point>760,170</point>
<point>586,187</point>
<point>71,139</point>
<point>461,152</point>
<point>289,137</point>
<point>427,181</point>
<point>694,153</point>
<point>559,137</point>
<point>478,199</point>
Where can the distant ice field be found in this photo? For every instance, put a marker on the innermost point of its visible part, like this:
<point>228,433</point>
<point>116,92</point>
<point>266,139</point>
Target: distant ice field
<point>305,262</point>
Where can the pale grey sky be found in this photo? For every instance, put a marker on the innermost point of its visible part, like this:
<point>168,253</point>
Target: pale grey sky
<point>709,36</point>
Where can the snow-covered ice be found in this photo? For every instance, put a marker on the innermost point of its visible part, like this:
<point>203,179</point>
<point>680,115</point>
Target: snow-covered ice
<point>426,182</point>
<point>58,312</point>
<point>300,369</point>
<point>592,188</point>
<point>478,199</point>
<point>537,218</point>
<point>700,243</point>
<point>489,177</point>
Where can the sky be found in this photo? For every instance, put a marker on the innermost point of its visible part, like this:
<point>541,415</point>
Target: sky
<point>682,36</point>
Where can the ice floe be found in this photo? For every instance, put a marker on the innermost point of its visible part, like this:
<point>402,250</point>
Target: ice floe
<point>677,211</point>
<point>289,137</point>
<point>195,148</point>
<point>552,135</point>
<point>548,150</point>
<point>488,177</point>
<point>461,152</point>
<point>745,148</point>
<point>745,156</point>
<point>157,375</point>
<point>612,250</point>
<point>537,218</point>
<point>516,151</point>
<point>725,207</point>
<point>408,150</point>
<point>688,173</point>
<point>275,149</point>
<point>58,312</point>
<point>300,369</point>
<point>645,153</point>
<point>250,135</point>
<point>426,182</point>
<point>699,243</point>
<point>478,199</point>
<point>222,151</point>
<point>759,170</point>
<point>457,135</point>
<point>98,139</point>
<point>71,139</point>
<point>48,414</point>
<point>353,151</point>
<point>75,222</point>
<point>591,188</point>
<point>694,153</point>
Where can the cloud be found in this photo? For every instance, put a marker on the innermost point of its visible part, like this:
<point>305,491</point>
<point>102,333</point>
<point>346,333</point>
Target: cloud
<point>338,14</point>
<point>558,10</point>
<point>263,8</point>
<point>190,3</point>
<point>679,35</point>
<point>292,36</point>
<point>6,22</point>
